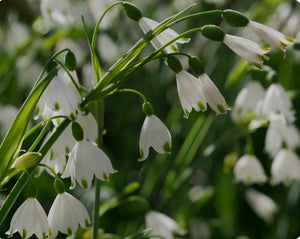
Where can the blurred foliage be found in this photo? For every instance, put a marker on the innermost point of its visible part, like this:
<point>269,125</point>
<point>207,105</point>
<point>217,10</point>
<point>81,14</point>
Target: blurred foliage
<point>194,184</point>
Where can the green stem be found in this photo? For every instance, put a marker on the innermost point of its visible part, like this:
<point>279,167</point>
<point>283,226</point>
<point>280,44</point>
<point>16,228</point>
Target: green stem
<point>130,91</point>
<point>100,119</point>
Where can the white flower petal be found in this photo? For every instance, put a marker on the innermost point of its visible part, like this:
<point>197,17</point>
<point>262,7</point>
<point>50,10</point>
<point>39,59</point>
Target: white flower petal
<point>31,217</point>
<point>249,170</point>
<point>247,49</point>
<point>66,213</point>
<point>154,134</point>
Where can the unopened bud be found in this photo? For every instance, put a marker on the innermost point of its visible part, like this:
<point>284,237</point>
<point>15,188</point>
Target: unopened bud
<point>174,64</point>
<point>77,131</point>
<point>196,65</point>
<point>148,109</point>
<point>213,32</point>
<point>59,186</point>
<point>235,18</point>
<point>26,160</point>
<point>132,11</point>
<point>70,61</point>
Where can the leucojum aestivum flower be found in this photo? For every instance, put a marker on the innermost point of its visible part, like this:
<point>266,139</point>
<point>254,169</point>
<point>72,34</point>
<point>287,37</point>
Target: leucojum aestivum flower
<point>66,140</point>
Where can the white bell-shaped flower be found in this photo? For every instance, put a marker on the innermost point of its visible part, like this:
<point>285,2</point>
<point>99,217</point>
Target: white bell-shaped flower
<point>30,218</point>
<point>56,157</point>
<point>248,170</point>
<point>162,225</point>
<point>247,102</point>
<point>66,213</point>
<point>247,49</point>
<point>85,161</point>
<point>276,102</point>
<point>262,205</point>
<point>89,126</point>
<point>190,93</point>
<point>212,94</point>
<point>58,99</point>
<point>285,167</point>
<point>275,38</point>
<point>154,134</point>
<point>164,37</point>
<point>279,133</point>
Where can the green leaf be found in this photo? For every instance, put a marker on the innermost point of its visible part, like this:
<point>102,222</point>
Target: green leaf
<point>13,139</point>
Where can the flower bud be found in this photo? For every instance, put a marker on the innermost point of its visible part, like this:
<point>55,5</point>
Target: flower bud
<point>148,109</point>
<point>174,64</point>
<point>77,131</point>
<point>26,160</point>
<point>235,18</point>
<point>132,11</point>
<point>59,186</point>
<point>70,61</point>
<point>196,65</point>
<point>213,32</point>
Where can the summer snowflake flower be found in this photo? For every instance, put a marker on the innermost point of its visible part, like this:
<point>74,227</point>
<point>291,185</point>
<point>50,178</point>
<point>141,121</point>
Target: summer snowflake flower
<point>275,38</point>
<point>285,167</point>
<point>163,38</point>
<point>85,161</point>
<point>261,204</point>
<point>89,126</point>
<point>247,103</point>
<point>277,102</point>
<point>154,133</point>
<point>162,225</point>
<point>58,99</point>
<point>66,213</point>
<point>278,133</point>
<point>190,93</point>
<point>212,95</point>
<point>30,218</point>
<point>247,49</point>
<point>249,170</point>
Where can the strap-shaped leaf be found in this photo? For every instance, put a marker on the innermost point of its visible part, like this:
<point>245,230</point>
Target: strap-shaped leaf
<point>13,139</point>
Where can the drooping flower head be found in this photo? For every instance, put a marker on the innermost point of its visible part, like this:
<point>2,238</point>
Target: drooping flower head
<point>261,204</point>
<point>85,161</point>
<point>162,225</point>
<point>277,102</point>
<point>285,167</point>
<point>66,213</point>
<point>246,106</point>
<point>153,134</point>
<point>30,218</point>
<point>249,170</point>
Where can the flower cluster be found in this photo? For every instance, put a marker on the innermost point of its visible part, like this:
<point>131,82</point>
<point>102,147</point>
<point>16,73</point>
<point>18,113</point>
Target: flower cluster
<point>255,107</point>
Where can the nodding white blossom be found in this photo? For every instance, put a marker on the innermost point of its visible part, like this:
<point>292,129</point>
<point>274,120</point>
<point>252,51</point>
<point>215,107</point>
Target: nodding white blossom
<point>164,37</point>
<point>30,218</point>
<point>85,161</point>
<point>56,156</point>
<point>246,106</point>
<point>273,37</point>
<point>66,213</point>
<point>58,99</point>
<point>89,126</point>
<point>56,12</point>
<point>262,205</point>
<point>162,225</point>
<point>190,93</point>
<point>285,167</point>
<point>212,95</point>
<point>279,134</point>
<point>154,134</point>
<point>248,170</point>
<point>277,102</point>
<point>247,49</point>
